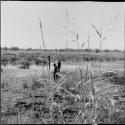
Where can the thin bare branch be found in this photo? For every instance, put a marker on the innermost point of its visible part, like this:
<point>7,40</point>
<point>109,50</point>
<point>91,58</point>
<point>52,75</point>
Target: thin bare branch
<point>42,33</point>
<point>96,30</point>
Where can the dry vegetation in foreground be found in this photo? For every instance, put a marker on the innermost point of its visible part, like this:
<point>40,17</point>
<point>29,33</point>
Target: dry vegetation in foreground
<point>79,97</point>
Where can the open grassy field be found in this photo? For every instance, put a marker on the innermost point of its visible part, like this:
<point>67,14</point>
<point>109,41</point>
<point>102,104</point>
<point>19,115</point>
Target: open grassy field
<point>62,63</point>
<point>82,95</point>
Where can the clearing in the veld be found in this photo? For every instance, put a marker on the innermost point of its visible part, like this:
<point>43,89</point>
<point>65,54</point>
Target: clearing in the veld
<point>87,92</point>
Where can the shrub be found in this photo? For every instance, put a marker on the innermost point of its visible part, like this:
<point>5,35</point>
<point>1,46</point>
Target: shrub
<point>4,60</point>
<point>38,61</point>
<point>97,50</point>
<point>116,50</point>
<point>14,48</point>
<point>87,59</point>
<point>88,50</point>
<point>106,50</point>
<point>91,58</point>
<point>25,86</point>
<point>29,49</point>
<point>35,83</point>
<point>14,59</point>
<point>101,59</point>
<point>107,58</point>
<point>5,48</point>
<point>25,64</point>
<point>44,61</point>
<point>4,63</point>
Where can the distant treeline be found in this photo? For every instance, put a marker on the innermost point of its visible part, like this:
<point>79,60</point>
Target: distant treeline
<point>62,50</point>
<point>17,56</point>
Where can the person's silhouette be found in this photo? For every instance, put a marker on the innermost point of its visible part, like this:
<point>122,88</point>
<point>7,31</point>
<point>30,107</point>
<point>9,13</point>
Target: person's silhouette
<point>54,72</point>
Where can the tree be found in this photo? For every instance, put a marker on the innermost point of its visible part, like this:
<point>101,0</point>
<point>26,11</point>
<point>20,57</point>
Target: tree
<point>14,48</point>
<point>42,34</point>
<point>5,48</point>
<point>29,49</point>
<point>97,50</point>
<point>104,30</point>
<point>100,34</point>
<point>106,50</point>
<point>116,50</point>
<point>25,64</point>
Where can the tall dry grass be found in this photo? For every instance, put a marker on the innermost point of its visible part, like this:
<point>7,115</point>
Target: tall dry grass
<point>80,96</point>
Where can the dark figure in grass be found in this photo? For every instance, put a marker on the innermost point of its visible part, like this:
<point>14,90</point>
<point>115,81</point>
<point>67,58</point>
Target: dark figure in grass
<point>55,72</point>
<point>59,65</point>
<point>49,60</point>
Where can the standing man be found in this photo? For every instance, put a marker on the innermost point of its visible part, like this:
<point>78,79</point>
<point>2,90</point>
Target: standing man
<point>59,65</point>
<point>54,72</point>
<point>49,60</point>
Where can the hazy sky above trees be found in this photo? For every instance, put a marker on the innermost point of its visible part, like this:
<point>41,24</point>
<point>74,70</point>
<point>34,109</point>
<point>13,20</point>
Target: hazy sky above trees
<point>20,23</point>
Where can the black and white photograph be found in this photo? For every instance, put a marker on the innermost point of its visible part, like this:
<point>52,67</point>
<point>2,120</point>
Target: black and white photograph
<point>62,62</point>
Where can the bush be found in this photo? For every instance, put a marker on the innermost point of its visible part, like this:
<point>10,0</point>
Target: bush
<point>87,59</point>
<point>116,50</point>
<point>14,59</point>
<point>106,50</point>
<point>29,49</point>
<point>38,61</point>
<point>35,83</point>
<point>4,59</point>
<point>91,58</point>
<point>44,62</point>
<point>101,59</point>
<point>108,58</point>
<point>5,48</point>
<point>88,50</point>
<point>14,48</point>
<point>4,63</point>
<point>25,86</point>
<point>97,50</point>
<point>25,65</point>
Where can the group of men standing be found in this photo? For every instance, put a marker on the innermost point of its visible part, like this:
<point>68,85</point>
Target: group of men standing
<point>56,68</point>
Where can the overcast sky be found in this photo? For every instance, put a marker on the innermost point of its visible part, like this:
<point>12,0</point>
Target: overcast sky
<point>20,23</point>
